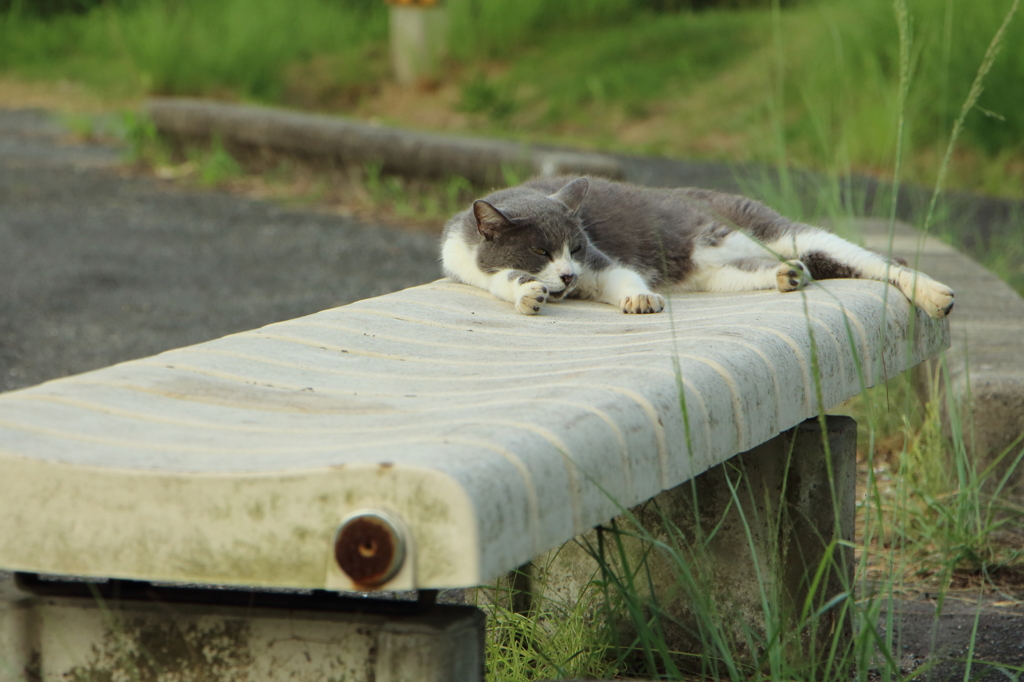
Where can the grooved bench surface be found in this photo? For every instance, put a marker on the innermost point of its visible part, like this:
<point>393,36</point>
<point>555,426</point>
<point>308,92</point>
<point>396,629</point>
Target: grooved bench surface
<point>491,436</point>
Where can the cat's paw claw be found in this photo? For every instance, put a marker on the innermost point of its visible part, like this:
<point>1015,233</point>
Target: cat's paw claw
<point>532,295</point>
<point>642,303</point>
<point>792,275</point>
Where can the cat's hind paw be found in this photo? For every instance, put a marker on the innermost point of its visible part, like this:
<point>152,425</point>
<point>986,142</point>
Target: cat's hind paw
<point>933,297</point>
<point>530,296</point>
<point>642,303</point>
<point>792,275</point>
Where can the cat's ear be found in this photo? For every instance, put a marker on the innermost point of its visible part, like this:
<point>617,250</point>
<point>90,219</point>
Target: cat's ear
<point>572,194</point>
<point>489,221</point>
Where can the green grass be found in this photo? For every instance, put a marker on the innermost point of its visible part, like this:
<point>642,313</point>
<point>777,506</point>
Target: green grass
<point>929,517</point>
<point>591,72</point>
<point>498,29</point>
<point>714,73</point>
<point>946,42</point>
<point>239,48</point>
<point>631,66</point>
<point>554,640</point>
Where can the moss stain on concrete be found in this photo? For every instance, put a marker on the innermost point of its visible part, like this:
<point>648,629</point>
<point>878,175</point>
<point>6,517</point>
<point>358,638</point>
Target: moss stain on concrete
<point>142,651</point>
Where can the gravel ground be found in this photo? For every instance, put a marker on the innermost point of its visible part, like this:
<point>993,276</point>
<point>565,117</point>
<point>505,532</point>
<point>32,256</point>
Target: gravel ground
<point>97,268</point>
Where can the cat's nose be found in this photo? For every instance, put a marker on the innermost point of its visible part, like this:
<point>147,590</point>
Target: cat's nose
<point>568,279</point>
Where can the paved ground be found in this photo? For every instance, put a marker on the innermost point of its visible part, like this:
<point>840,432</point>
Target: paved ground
<point>96,268</point>
<point>1000,638</point>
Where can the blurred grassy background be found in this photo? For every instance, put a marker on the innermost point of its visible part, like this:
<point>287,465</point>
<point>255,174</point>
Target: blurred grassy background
<point>695,78</point>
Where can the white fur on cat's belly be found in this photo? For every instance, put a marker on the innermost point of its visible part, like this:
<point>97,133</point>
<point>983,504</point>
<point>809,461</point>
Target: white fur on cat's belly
<point>712,271</point>
<point>726,279</point>
<point>734,246</point>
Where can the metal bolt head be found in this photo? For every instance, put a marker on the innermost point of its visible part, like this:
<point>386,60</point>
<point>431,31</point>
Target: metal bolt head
<point>369,548</point>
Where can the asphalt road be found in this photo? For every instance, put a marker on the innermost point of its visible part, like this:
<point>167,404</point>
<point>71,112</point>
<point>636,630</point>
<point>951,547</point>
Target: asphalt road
<point>97,268</point>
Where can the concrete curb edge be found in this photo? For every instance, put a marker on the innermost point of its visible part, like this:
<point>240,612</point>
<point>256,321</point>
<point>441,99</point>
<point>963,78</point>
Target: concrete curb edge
<point>330,139</point>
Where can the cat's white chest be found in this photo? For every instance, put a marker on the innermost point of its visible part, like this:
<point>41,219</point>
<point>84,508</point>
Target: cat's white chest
<point>459,261</point>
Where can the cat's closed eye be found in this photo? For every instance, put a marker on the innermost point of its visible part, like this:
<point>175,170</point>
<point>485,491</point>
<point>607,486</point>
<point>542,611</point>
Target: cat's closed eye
<point>576,250</point>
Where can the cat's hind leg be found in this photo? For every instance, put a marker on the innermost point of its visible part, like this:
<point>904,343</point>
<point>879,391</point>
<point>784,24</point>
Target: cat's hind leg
<point>828,256</point>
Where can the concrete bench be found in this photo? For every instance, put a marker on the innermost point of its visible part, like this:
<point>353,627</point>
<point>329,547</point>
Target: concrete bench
<point>427,439</point>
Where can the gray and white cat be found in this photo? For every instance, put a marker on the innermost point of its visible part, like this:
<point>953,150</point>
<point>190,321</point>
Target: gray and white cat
<point>553,238</point>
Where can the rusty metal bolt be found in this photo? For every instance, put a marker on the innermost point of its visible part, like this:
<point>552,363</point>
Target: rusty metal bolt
<point>369,548</point>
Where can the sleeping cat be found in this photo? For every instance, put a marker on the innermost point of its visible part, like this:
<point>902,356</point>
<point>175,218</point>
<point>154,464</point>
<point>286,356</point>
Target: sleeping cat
<point>553,238</point>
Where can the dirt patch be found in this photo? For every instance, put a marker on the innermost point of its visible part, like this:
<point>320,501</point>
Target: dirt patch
<point>349,192</point>
<point>60,96</point>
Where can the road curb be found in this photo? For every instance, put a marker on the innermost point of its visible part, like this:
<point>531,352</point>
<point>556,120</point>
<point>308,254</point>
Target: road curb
<point>334,140</point>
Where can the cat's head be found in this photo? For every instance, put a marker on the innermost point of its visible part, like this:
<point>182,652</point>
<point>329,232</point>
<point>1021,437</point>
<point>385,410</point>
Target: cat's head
<point>524,229</point>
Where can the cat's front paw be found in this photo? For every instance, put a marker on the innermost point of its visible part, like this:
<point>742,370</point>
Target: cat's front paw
<point>530,296</point>
<point>642,303</point>
<point>792,275</point>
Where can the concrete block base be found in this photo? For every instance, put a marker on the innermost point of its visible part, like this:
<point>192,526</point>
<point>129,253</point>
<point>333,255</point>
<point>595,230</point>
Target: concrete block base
<point>46,638</point>
<point>735,551</point>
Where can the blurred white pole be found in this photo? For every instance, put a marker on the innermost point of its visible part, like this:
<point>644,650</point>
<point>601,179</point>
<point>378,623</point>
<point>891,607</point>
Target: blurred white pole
<point>419,36</point>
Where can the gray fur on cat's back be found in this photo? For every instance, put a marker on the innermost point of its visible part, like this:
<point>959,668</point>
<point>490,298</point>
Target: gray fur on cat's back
<point>653,231</point>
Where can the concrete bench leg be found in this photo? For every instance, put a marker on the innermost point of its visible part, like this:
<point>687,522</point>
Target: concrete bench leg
<point>50,638</point>
<point>766,520</point>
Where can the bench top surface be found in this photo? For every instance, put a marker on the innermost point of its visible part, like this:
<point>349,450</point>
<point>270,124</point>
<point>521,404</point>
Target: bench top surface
<point>488,436</point>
